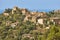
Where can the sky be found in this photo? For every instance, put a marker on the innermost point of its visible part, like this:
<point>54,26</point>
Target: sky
<point>31,4</point>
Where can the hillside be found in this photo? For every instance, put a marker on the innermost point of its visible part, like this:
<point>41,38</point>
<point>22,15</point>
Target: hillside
<point>22,24</point>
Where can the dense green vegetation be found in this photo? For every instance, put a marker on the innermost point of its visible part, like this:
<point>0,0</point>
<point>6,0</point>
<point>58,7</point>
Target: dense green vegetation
<point>25,30</point>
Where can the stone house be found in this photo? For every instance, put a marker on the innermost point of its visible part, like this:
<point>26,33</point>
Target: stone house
<point>14,24</point>
<point>14,9</point>
<point>24,11</point>
<point>33,19</point>
<point>56,11</point>
<point>40,21</point>
<point>42,14</point>
<point>30,18</point>
<point>47,27</point>
<point>38,13</point>
<point>34,16</point>
<point>27,18</point>
<point>6,14</point>
<point>34,13</point>
<point>55,20</point>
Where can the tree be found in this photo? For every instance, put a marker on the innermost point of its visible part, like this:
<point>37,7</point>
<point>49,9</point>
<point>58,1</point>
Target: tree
<point>8,10</point>
<point>52,33</point>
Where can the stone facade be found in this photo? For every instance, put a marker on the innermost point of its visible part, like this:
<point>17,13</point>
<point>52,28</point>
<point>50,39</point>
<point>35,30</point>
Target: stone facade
<point>40,21</point>
<point>6,14</point>
<point>14,24</point>
<point>14,9</point>
<point>24,11</point>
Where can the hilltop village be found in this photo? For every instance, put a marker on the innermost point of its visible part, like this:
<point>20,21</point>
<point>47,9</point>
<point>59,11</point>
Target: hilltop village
<point>42,18</point>
<point>22,24</point>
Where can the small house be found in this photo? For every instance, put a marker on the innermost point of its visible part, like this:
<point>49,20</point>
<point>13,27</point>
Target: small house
<point>55,20</point>
<point>14,9</point>
<point>40,21</point>
<point>6,14</point>
<point>24,11</point>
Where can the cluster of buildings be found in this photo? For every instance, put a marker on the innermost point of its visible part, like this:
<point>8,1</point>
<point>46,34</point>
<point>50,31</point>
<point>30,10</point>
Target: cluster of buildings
<point>36,17</point>
<point>41,19</point>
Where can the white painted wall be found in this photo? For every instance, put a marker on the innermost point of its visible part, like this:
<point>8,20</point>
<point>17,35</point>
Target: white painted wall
<point>40,21</point>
